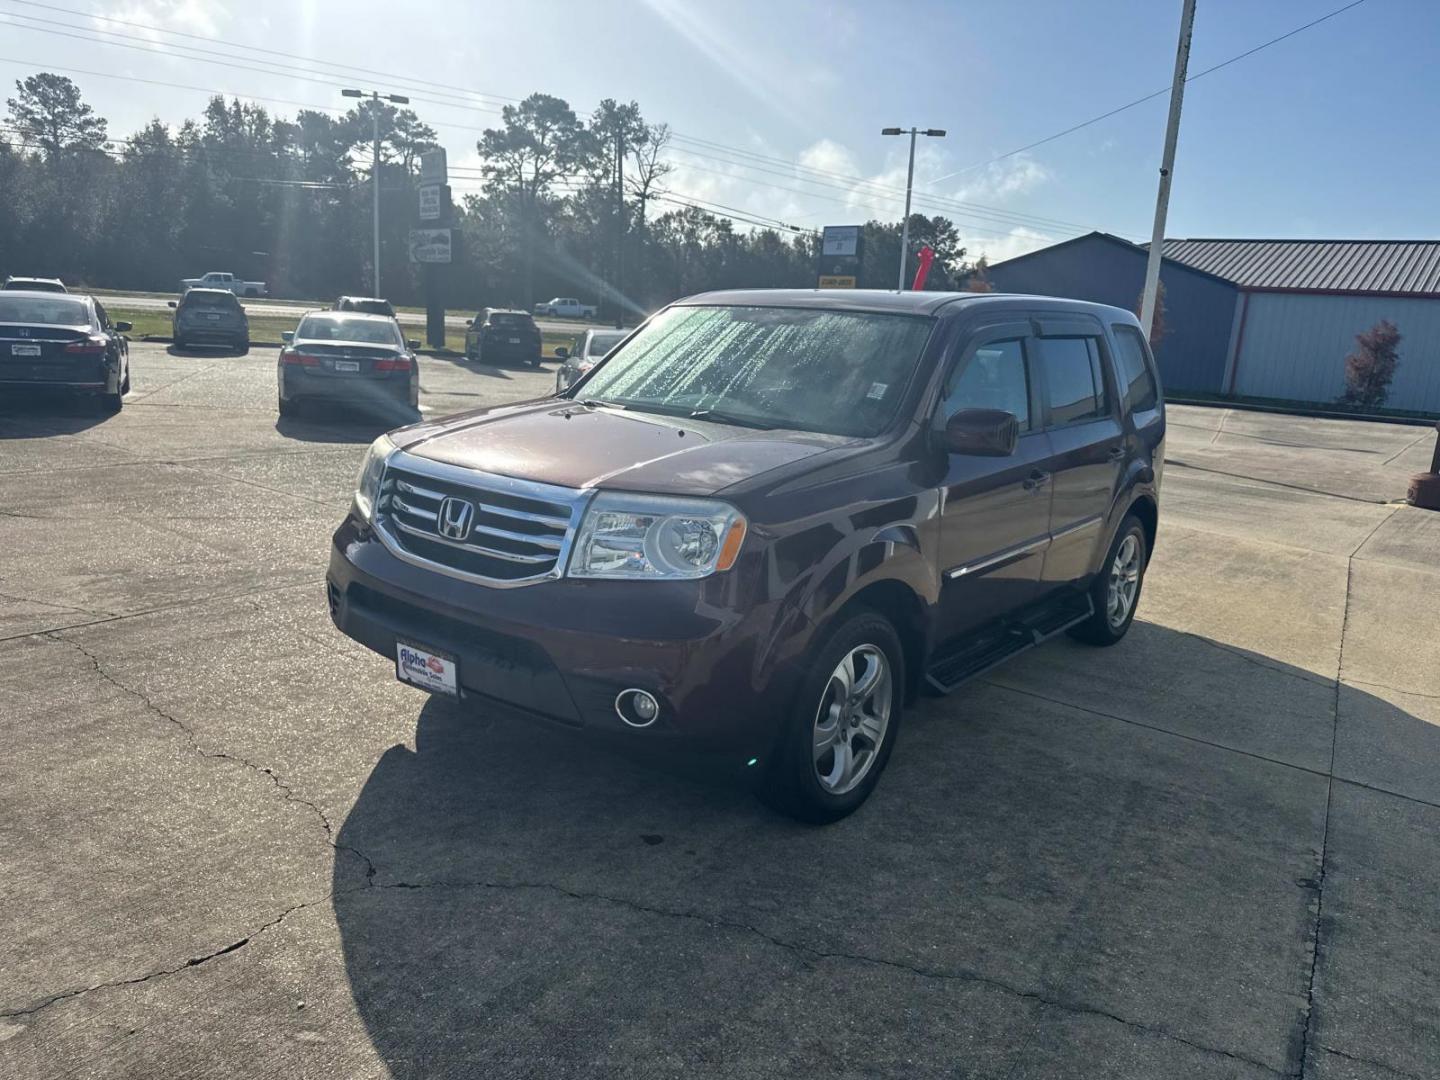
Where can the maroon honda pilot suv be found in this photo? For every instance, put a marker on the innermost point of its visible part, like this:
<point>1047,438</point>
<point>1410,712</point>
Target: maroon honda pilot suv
<point>767,521</point>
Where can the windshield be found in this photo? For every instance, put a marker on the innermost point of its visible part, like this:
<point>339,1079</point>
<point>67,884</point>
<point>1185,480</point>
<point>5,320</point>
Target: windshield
<point>842,373</point>
<point>340,328</point>
<point>601,342</point>
<point>57,310</point>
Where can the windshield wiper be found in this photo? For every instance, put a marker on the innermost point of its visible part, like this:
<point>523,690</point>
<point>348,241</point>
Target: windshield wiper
<point>722,417</point>
<point>593,401</point>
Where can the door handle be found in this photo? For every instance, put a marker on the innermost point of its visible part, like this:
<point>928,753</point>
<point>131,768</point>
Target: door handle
<point>1035,480</point>
<point>1117,453</point>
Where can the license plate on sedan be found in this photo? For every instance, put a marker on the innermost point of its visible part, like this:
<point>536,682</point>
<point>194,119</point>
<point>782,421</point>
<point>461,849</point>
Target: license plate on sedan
<point>347,365</point>
<point>213,316</point>
<point>514,341</point>
<point>434,671</point>
<point>24,350</point>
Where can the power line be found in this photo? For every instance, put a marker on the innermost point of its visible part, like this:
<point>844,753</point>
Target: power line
<point>1151,96</point>
<point>306,74</point>
<point>369,72</point>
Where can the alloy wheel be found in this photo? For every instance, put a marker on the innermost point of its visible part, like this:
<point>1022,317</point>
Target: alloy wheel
<point>1124,581</point>
<point>852,718</point>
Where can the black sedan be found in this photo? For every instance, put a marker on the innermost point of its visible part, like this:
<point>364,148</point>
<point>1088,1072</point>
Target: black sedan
<point>348,357</point>
<point>65,342</point>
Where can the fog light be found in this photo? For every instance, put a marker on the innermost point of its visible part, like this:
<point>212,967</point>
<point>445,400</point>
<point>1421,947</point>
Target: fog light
<point>638,708</point>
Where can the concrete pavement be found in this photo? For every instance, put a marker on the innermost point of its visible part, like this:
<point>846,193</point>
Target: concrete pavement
<point>235,846</point>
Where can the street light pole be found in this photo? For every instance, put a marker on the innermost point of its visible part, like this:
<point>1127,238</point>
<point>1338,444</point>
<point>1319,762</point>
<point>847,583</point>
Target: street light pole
<point>937,133</point>
<point>1167,166</point>
<point>375,166</point>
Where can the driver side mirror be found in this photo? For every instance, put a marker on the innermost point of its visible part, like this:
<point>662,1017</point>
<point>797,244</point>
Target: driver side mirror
<point>412,343</point>
<point>287,336</point>
<point>562,352</point>
<point>171,303</point>
<point>124,327</point>
<point>982,433</point>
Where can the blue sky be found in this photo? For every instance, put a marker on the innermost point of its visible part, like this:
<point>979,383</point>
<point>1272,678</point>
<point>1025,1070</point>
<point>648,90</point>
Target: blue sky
<point>1322,135</point>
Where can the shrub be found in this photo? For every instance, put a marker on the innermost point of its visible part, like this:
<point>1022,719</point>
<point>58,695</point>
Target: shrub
<point>1369,369</point>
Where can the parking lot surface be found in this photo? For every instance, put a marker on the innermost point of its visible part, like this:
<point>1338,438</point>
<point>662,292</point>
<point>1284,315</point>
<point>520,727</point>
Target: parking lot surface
<point>234,846</point>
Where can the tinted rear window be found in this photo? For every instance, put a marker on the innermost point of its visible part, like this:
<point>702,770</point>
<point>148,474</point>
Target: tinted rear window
<point>511,319</point>
<point>1139,384</point>
<point>601,343</point>
<point>1073,381</point>
<point>342,328</point>
<point>56,310</point>
<point>211,301</point>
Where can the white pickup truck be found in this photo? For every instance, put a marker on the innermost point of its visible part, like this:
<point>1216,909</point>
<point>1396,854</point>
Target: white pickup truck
<point>217,279</point>
<point>566,306</point>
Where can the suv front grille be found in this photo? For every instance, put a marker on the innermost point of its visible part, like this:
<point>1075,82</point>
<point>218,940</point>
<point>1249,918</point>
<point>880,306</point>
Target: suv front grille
<point>494,529</point>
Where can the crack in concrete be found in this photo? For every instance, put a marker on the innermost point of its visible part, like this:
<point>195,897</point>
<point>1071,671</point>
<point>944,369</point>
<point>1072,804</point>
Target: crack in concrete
<point>1372,1062</point>
<point>1275,483</point>
<point>282,786</point>
<point>194,961</point>
<point>1393,689</point>
<point>808,954</point>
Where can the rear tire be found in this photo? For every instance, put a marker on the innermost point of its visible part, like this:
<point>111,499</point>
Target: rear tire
<point>110,404</point>
<point>1115,593</point>
<point>841,728</point>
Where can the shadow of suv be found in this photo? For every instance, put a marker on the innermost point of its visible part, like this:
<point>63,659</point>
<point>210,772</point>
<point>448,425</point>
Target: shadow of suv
<point>762,524</point>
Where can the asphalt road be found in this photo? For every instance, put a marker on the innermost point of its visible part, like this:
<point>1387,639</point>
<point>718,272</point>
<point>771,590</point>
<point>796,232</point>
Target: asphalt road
<point>295,309</point>
<point>234,846</point>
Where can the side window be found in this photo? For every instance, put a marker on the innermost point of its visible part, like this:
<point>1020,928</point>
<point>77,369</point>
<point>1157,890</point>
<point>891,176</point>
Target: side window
<point>1139,381</point>
<point>995,378</point>
<point>100,314</point>
<point>1073,381</point>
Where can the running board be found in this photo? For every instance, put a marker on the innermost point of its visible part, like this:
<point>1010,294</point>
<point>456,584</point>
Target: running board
<point>999,643</point>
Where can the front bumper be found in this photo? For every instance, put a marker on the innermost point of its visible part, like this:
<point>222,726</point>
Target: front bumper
<point>562,650</point>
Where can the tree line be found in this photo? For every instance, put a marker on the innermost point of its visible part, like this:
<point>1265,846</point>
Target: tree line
<point>567,205</point>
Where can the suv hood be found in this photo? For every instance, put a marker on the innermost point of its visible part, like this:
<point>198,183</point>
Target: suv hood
<point>559,442</point>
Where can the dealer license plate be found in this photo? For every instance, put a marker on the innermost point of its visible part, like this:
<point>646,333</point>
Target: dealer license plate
<point>24,350</point>
<point>347,365</point>
<point>426,668</point>
<point>514,341</point>
<point>213,316</point>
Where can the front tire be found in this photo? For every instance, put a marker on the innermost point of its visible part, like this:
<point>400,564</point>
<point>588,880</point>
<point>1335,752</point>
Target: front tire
<point>1115,593</point>
<point>842,725</point>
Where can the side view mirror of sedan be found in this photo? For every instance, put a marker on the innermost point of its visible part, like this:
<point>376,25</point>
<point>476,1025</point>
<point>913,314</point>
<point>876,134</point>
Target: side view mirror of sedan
<point>171,303</point>
<point>287,336</point>
<point>124,327</point>
<point>982,433</point>
<point>562,352</point>
<point>412,343</point>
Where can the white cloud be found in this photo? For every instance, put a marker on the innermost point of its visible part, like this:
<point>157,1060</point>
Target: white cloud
<point>1002,180</point>
<point>1017,241</point>
<point>203,17</point>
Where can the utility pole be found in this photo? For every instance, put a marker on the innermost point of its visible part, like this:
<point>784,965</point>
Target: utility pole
<point>937,133</point>
<point>1167,166</point>
<point>619,227</point>
<point>375,165</point>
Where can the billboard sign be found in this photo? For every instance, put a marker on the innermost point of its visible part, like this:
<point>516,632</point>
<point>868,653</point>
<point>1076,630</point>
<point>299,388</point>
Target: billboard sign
<point>430,202</point>
<point>433,169</point>
<point>842,252</point>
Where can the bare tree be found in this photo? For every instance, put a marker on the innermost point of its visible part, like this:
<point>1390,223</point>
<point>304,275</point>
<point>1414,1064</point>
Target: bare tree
<point>649,169</point>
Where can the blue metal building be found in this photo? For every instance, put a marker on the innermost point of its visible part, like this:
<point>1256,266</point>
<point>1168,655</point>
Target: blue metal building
<point>1262,318</point>
<point>1199,306</point>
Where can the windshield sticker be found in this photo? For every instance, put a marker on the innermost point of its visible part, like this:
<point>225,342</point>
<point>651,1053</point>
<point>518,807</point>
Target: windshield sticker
<point>877,390</point>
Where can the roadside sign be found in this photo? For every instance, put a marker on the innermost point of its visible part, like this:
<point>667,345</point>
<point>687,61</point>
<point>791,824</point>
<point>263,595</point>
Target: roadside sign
<point>430,202</point>
<point>841,240</point>
<point>430,245</point>
<point>433,169</point>
<point>842,254</point>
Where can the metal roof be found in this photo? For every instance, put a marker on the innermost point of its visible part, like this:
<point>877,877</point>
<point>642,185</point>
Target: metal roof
<point>1397,267</point>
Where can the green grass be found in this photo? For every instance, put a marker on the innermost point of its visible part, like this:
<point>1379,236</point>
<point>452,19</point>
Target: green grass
<point>266,330</point>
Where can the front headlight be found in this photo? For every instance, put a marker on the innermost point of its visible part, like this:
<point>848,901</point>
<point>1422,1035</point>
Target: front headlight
<point>372,469</point>
<point>655,538</point>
